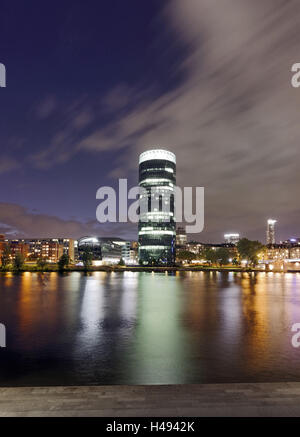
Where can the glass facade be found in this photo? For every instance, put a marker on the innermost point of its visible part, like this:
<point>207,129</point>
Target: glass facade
<point>157,228</point>
<point>103,249</point>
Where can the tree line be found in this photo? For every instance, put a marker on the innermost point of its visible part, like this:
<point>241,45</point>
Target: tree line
<point>245,249</point>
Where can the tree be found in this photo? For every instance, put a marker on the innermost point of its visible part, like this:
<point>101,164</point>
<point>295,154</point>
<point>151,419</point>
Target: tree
<point>5,258</point>
<point>41,263</point>
<point>210,255</point>
<point>87,258</point>
<point>63,262</point>
<point>121,262</point>
<point>235,261</point>
<point>185,255</point>
<point>249,250</point>
<point>18,262</point>
<point>222,255</point>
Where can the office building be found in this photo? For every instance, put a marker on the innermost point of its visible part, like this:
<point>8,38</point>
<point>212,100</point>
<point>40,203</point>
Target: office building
<point>271,231</point>
<point>231,238</point>
<point>292,241</point>
<point>104,250</point>
<point>157,228</point>
<point>181,238</point>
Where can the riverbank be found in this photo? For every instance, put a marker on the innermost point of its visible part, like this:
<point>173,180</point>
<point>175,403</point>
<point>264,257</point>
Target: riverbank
<point>54,268</point>
<point>198,400</point>
<point>158,269</point>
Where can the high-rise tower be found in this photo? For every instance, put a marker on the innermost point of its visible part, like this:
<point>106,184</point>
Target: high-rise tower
<point>157,228</point>
<point>271,231</point>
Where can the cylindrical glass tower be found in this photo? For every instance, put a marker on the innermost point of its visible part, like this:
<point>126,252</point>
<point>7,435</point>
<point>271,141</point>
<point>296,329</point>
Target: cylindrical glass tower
<point>157,227</point>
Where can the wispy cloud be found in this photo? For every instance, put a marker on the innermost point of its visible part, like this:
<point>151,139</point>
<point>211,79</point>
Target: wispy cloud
<point>18,221</point>
<point>46,107</point>
<point>8,164</point>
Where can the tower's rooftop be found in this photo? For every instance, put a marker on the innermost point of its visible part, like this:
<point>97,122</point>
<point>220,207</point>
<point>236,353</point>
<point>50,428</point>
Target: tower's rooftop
<point>157,154</point>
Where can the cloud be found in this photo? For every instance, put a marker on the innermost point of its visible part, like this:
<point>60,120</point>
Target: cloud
<point>232,119</point>
<point>17,221</point>
<point>72,121</point>
<point>7,164</point>
<point>46,107</point>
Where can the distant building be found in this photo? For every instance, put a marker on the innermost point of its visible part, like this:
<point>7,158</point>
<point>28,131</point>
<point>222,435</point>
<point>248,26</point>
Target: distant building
<point>18,247</point>
<point>50,249</point>
<point>126,251</point>
<point>181,237</point>
<point>91,244</point>
<point>68,247</point>
<point>291,241</point>
<point>198,248</point>
<point>157,228</point>
<point>130,253</point>
<point>133,257</point>
<point>134,252</point>
<point>271,231</point>
<point>277,252</point>
<point>2,245</point>
<point>104,250</point>
<point>283,251</point>
<point>194,247</point>
<point>281,257</point>
<point>231,238</point>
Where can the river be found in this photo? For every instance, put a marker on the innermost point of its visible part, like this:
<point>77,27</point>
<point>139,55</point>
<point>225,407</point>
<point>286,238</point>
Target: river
<point>148,328</point>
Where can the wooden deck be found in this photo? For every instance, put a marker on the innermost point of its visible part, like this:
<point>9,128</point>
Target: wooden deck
<point>268,399</point>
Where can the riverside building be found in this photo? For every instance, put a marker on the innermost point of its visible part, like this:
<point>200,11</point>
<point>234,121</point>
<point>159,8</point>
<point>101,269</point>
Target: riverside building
<point>157,227</point>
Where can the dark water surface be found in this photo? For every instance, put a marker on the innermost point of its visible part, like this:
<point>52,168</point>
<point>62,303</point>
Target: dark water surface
<point>146,328</point>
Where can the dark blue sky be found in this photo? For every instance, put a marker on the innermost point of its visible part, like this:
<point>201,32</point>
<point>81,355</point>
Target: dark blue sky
<point>70,51</point>
<point>91,84</point>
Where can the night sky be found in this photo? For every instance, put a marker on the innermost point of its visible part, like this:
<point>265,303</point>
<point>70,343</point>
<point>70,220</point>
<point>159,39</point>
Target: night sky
<point>91,84</point>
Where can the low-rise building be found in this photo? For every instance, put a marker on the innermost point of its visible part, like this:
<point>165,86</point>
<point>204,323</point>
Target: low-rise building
<point>285,256</point>
<point>198,249</point>
<point>18,247</point>
<point>194,247</point>
<point>104,250</point>
<point>2,246</point>
<point>50,249</point>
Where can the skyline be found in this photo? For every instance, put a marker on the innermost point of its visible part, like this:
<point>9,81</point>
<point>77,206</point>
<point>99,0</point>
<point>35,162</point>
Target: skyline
<point>99,86</point>
<point>228,238</point>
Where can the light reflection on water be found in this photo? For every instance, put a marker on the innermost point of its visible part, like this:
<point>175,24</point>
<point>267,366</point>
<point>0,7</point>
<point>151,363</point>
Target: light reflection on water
<point>148,328</point>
